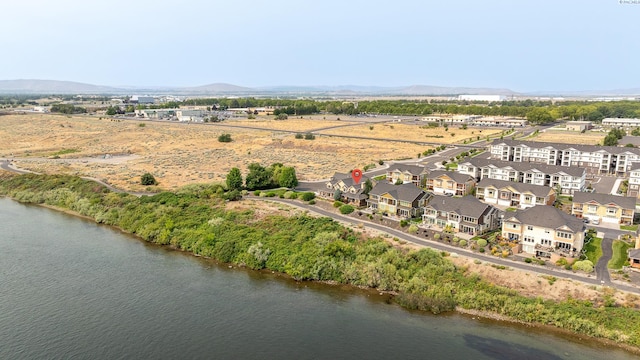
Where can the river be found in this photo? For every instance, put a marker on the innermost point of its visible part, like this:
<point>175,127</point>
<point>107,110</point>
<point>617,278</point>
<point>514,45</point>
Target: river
<point>74,290</point>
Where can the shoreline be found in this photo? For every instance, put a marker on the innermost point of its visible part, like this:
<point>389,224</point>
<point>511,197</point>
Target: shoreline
<point>390,294</point>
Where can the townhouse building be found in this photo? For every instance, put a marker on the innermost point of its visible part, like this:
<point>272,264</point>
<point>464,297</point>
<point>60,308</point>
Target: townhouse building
<point>514,194</point>
<point>349,191</point>
<point>466,214</point>
<point>404,201</point>
<point>546,232</point>
<point>594,158</point>
<point>604,207</point>
<point>406,174</point>
<point>633,190</point>
<point>450,183</point>
<point>567,179</point>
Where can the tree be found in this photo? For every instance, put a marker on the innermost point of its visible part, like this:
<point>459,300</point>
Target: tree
<point>367,186</point>
<point>399,182</point>
<point>337,195</point>
<point>234,179</point>
<point>148,179</point>
<point>225,138</point>
<point>282,116</point>
<point>111,110</point>
<point>539,116</point>
<point>258,177</point>
<point>287,177</point>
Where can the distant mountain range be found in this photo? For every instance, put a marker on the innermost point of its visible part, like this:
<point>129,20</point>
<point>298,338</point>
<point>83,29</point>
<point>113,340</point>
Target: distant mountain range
<point>68,87</point>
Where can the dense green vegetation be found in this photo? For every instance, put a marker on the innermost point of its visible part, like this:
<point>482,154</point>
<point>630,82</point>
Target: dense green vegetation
<point>535,111</point>
<point>620,255</point>
<point>67,109</point>
<point>593,249</point>
<point>194,219</point>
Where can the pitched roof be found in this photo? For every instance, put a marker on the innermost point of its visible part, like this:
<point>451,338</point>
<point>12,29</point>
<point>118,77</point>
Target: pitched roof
<point>559,146</point>
<point>634,253</point>
<point>467,205</point>
<point>537,190</point>
<point>413,169</point>
<point>347,179</point>
<point>455,176</point>
<point>525,166</point>
<point>622,201</point>
<point>548,217</point>
<point>404,192</point>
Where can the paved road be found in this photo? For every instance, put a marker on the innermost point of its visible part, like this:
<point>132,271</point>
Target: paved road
<point>602,272</point>
<point>452,249</point>
<point>6,165</point>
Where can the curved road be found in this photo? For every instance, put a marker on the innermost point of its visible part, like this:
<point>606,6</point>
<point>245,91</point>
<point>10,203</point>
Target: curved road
<point>452,249</point>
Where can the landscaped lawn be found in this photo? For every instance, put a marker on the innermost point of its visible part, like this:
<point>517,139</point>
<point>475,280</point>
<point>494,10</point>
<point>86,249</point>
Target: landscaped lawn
<point>619,254</point>
<point>593,250</point>
<point>629,227</point>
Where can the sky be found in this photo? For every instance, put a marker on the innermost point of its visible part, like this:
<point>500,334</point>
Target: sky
<point>524,45</point>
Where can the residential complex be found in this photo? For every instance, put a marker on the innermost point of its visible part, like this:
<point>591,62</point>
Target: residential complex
<point>513,194</point>
<point>405,201</point>
<point>343,186</point>
<point>604,207</point>
<point>406,174</point>
<point>595,159</point>
<point>545,231</point>
<point>466,214</point>
<point>448,182</point>
<point>621,122</point>
<point>567,179</point>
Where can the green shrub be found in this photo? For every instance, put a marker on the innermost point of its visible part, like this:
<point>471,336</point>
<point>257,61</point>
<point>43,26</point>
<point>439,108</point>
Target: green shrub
<point>481,250</point>
<point>337,204</point>
<point>289,195</point>
<point>463,243</point>
<point>148,179</point>
<point>413,229</point>
<point>481,242</point>
<point>346,209</point>
<point>312,202</point>
<point>257,192</point>
<point>224,138</point>
<point>583,265</point>
<point>528,260</point>
<point>404,223</point>
<point>299,136</point>
<point>270,194</point>
<point>436,236</point>
<point>308,196</point>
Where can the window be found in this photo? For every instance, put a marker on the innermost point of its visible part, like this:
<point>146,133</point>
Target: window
<point>611,211</point>
<point>528,239</point>
<point>563,235</point>
<point>545,242</point>
<point>592,208</point>
<point>529,227</point>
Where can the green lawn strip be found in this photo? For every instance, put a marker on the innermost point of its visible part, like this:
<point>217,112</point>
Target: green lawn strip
<point>619,254</point>
<point>593,250</point>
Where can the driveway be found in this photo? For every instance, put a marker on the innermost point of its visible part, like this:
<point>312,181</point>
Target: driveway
<point>602,272</point>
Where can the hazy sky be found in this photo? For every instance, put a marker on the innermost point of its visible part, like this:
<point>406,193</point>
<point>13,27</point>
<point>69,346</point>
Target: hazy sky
<point>524,45</point>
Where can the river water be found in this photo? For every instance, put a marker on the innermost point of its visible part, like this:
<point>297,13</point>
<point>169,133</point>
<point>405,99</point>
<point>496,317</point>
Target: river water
<point>73,290</point>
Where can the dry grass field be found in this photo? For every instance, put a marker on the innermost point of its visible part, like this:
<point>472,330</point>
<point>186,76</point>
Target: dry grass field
<point>414,132</point>
<point>178,154</point>
<point>570,137</point>
<point>292,124</point>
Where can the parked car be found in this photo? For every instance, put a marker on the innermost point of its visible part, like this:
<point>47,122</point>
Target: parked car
<point>595,222</point>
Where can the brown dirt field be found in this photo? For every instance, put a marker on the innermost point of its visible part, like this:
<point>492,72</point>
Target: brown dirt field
<point>570,137</point>
<point>291,124</point>
<point>176,154</point>
<point>414,132</point>
<point>535,285</point>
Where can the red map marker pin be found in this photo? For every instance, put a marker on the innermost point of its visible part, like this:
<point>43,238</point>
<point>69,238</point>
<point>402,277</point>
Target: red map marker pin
<point>356,175</point>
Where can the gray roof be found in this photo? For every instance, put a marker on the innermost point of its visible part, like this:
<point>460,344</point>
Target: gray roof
<point>404,192</point>
<point>525,166</point>
<point>413,169</point>
<point>634,253</point>
<point>455,176</point>
<point>537,190</point>
<point>549,217</point>
<point>467,205</point>
<point>622,201</point>
<point>347,179</point>
<point>634,140</point>
<point>559,146</point>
